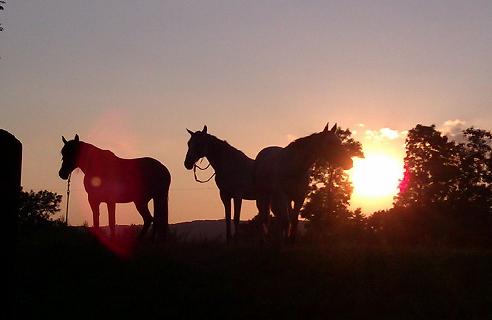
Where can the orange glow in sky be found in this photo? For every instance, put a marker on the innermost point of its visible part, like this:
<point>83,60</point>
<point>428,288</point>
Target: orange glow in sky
<point>256,74</point>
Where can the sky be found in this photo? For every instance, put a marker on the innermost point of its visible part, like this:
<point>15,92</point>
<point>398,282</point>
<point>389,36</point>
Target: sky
<point>132,76</point>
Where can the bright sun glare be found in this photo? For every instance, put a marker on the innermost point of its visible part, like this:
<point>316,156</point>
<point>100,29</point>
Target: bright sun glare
<point>377,175</point>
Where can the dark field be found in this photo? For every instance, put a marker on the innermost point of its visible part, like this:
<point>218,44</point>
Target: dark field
<point>68,273</point>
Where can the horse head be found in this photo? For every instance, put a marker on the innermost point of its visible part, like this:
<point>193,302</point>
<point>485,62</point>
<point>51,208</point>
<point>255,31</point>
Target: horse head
<point>333,150</point>
<point>70,156</point>
<point>197,147</point>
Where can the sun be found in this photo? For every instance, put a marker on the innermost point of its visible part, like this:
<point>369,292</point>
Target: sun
<point>376,176</point>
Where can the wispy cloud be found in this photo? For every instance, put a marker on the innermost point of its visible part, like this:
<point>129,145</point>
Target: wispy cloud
<point>453,129</point>
<point>384,134</point>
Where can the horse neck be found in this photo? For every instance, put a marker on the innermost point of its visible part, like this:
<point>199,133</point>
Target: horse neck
<point>302,155</point>
<point>88,155</point>
<point>215,151</point>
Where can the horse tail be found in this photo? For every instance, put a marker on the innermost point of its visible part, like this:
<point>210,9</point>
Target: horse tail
<point>161,209</point>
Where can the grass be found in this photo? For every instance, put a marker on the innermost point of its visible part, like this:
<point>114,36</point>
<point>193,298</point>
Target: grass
<point>69,273</point>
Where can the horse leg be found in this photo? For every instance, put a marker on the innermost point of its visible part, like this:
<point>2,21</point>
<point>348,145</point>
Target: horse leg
<point>226,200</point>
<point>294,220</point>
<point>161,215</point>
<point>237,215</point>
<point>95,213</point>
<point>280,208</point>
<point>112,217</point>
<point>263,206</point>
<point>143,209</point>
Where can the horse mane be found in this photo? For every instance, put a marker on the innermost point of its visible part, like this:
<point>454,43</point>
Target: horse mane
<point>224,144</point>
<point>303,142</point>
<point>106,154</point>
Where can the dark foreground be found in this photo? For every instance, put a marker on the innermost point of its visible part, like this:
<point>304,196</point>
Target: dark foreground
<point>70,274</point>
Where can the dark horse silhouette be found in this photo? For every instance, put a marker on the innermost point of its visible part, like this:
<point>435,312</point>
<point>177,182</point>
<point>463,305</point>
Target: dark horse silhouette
<point>233,172</point>
<point>115,180</point>
<point>281,175</point>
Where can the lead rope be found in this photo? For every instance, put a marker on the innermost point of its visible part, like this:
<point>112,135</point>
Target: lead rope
<point>203,169</point>
<point>68,198</point>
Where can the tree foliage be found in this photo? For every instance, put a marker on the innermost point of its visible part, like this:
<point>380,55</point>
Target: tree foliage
<point>443,172</point>
<point>431,167</point>
<point>445,197</point>
<point>446,194</point>
<point>38,208</point>
<point>328,199</point>
<point>475,180</point>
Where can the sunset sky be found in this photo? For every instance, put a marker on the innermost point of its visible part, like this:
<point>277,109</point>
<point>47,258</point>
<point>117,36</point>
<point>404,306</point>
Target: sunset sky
<point>131,76</point>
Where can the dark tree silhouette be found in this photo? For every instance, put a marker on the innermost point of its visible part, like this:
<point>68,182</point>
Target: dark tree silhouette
<point>431,167</point>
<point>38,208</point>
<point>446,194</point>
<point>327,204</point>
<point>439,171</point>
<point>475,177</point>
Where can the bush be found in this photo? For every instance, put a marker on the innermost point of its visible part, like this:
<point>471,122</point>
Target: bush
<point>38,209</point>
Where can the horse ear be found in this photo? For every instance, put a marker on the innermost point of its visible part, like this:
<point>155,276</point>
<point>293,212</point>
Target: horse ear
<point>326,127</point>
<point>334,128</point>
<point>76,137</point>
<point>64,140</point>
<point>189,131</point>
<point>204,129</point>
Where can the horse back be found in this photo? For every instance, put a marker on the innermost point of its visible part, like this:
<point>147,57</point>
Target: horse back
<point>267,168</point>
<point>127,180</point>
<point>272,173</point>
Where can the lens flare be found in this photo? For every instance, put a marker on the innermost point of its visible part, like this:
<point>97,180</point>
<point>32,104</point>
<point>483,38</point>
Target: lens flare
<point>96,182</point>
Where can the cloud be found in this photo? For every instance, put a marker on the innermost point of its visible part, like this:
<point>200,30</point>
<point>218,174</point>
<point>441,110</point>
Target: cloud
<point>357,126</point>
<point>384,134</point>
<point>453,129</point>
<point>389,133</point>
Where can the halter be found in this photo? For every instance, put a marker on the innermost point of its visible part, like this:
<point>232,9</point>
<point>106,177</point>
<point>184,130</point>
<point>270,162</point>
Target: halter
<point>203,169</point>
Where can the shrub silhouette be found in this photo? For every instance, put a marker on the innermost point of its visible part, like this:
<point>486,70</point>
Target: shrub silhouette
<point>38,209</point>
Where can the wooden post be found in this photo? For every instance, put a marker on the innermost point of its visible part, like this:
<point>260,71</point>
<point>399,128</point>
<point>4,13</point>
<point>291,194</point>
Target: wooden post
<point>10,175</point>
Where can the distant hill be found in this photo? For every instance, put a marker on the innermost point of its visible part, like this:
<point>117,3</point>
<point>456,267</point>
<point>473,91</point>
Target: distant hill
<point>200,229</point>
<point>208,229</point>
<point>192,230</point>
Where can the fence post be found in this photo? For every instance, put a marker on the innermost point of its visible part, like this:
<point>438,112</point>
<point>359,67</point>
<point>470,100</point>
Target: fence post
<point>10,175</point>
